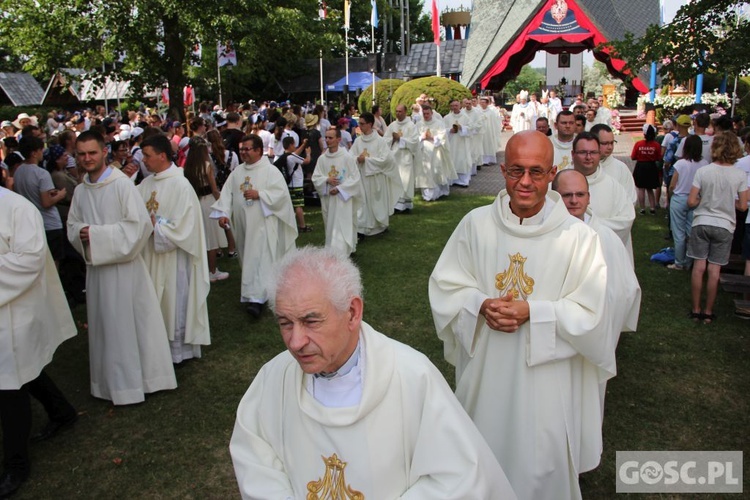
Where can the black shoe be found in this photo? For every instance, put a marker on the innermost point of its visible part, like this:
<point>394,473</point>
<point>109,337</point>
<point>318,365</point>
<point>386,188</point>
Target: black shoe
<point>361,236</point>
<point>10,482</point>
<point>52,428</point>
<point>255,309</point>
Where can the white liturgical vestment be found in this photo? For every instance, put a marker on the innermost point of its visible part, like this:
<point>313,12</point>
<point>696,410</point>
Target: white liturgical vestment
<point>436,171</point>
<point>264,229</point>
<point>381,183</point>
<point>407,437</point>
<point>612,206</point>
<point>492,126</point>
<point>459,145</point>
<point>340,209</point>
<point>534,394</point>
<point>405,156</point>
<point>34,315</point>
<point>177,261</point>
<point>622,174</point>
<point>563,153</point>
<point>128,346</point>
<point>523,117</point>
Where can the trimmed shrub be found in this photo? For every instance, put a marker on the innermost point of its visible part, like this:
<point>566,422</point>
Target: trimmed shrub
<point>384,90</point>
<point>441,90</point>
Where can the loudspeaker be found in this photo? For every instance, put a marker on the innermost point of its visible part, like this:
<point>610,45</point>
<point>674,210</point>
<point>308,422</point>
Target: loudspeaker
<point>390,64</point>
<point>373,63</point>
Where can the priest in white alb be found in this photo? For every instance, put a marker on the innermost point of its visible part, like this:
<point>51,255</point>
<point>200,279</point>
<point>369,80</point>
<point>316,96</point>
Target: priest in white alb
<point>562,140</point>
<point>609,201</point>
<point>336,179</point>
<point>611,165</point>
<point>459,143</point>
<point>109,226</point>
<point>176,251</point>
<point>492,126</point>
<point>381,182</point>
<point>476,119</point>
<point>403,138</point>
<point>435,172</point>
<point>518,299</point>
<point>623,290</point>
<point>256,199</point>
<point>347,412</point>
<point>523,115</point>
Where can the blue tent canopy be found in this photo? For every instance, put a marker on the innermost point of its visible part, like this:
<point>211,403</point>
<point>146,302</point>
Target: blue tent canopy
<point>357,81</point>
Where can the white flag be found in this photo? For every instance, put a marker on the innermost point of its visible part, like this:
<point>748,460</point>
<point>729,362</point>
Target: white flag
<point>226,53</point>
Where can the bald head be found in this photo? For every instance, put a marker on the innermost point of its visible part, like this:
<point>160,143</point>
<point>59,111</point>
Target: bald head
<point>530,140</point>
<point>528,170</point>
<point>573,188</point>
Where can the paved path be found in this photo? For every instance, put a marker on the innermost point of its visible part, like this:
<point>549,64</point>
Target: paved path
<point>489,180</point>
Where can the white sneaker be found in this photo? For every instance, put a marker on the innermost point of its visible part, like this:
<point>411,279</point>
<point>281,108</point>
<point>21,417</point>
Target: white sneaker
<point>218,275</point>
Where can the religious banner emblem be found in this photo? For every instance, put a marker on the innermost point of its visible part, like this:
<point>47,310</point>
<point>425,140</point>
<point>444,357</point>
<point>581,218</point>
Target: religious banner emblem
<point>559,19</point>
<point>333,484</point>
<point>559,10</point>
<point>152,205</point>
<point>563,163</point>
<point>514,280</point>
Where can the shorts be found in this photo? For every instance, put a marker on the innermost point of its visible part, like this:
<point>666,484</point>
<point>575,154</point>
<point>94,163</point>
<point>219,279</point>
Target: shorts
<point>298,197</point>
<point>56,243</point>
<point>710,243</point>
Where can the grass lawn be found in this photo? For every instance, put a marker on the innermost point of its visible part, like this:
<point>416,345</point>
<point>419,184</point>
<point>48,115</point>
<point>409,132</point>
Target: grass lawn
<point>680,386</point>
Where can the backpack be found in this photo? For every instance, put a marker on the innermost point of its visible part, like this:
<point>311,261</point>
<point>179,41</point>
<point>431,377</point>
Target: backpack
<point>281,164</point>
<point>222,171</point>
<point>669,154</point>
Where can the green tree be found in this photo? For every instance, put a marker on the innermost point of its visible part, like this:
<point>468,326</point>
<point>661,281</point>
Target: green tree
<point>149,42</point>
<point>528,79</point>
<point>704,36</point>
<point>597,75</point>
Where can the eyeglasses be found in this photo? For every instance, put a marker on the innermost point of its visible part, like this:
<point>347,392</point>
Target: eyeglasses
<point>608,143</point>
<point>570,196</point>
<point>536,174</point>
<point>244,150</point>
<point>587,153</point>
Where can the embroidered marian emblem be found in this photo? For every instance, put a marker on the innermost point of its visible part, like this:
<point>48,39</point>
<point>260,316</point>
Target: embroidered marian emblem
<point>513,280</point>
<point>563,163</point>
<point>246,186</point>
<point>333,484</point>
<point>152,205</point>
<point>333,173</point>
<point>559,10</point>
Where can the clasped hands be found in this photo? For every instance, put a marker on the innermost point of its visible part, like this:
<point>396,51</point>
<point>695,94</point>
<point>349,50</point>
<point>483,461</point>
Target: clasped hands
<point>505,314</point>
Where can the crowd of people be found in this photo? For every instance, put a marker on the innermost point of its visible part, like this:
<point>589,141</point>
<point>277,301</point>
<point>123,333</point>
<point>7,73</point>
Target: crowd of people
<point>131,214</point>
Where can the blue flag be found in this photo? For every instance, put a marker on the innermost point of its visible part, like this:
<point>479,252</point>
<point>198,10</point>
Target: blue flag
<point>374,18</point>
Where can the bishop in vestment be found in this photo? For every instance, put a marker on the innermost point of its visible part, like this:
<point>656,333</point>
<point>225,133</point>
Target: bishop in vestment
<point>176,251</point>
<point>526,337</point>
<point>109,226</point>
<point>347,412</point>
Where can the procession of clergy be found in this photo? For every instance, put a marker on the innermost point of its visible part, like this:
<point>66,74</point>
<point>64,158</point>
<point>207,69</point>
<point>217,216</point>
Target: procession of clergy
<point>533,344</point>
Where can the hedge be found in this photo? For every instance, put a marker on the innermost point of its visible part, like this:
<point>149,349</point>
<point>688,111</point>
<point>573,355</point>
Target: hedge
<point>441,90</point>
<point>384,90</point>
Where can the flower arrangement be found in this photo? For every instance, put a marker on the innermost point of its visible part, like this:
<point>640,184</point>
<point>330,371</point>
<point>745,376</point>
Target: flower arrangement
<point>616,125</point>
<point>674,102</point>
<point>614,100</point>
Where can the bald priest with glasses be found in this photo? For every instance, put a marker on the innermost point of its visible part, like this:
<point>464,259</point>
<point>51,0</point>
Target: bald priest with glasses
<point>518,299</point>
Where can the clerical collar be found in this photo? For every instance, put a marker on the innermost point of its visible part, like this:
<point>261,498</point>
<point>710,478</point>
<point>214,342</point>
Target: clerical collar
<point>535,220</point>
<point>104,176</point>
<point>345,368</point>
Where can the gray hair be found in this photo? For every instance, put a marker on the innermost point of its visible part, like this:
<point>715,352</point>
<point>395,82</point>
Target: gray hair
<point>335,271</point>
<point>667,125</point>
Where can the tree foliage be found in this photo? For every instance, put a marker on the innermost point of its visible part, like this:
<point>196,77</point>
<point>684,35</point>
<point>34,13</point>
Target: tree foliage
<point>441,90</point>
<point>704,36</point>
<point>384,90</point>
<point>528,79</point>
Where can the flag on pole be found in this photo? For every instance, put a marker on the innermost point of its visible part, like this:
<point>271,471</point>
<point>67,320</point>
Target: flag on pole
<point>196,54</point>
<point>374,18</point>
<point>323,11</point>
<point>435,22</point>
<point>226,53</point>
<point>346,14</point>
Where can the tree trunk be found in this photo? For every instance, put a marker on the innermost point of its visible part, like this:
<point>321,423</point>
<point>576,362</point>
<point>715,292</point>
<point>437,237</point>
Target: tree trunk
<point>174,53</point>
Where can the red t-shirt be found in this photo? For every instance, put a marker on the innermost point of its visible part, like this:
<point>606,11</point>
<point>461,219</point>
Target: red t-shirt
<point>646,151</point>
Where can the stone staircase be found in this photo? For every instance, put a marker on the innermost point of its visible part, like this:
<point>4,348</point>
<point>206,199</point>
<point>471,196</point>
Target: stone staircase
<point>630,121</point>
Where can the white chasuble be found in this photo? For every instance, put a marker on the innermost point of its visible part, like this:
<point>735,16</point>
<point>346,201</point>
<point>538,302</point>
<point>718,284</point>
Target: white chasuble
<point>612,205</point>
<point>492,126</point>
<point>407,438</point>
<point>622,174</point>
<point>405,152</point>
<point>436,165</point>
<point>265,229</point>
<point>34,315</point>
<point>178,239</point>
<point>340,209</point>
<point>459,143</point>
<point>381,183</point>
<point>476,119</point>
<point>563,153</point>
<point>534,394</point>
<point>128,346</point>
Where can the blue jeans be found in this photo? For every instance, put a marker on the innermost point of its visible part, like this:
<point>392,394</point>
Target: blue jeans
<point>680,222</point>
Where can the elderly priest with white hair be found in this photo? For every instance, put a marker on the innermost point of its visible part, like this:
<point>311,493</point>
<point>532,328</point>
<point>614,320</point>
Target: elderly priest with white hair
<point>347,412</point>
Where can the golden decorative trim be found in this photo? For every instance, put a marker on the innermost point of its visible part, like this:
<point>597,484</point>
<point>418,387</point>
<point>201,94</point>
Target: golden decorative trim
<point>333,484</point>
<point>152,205</point>
<point>514,280</point>
<point>246,186</point>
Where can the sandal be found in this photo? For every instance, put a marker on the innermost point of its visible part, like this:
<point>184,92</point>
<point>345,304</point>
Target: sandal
<point>709,318</point>
<point>696,316</point>
<point>305,229</point>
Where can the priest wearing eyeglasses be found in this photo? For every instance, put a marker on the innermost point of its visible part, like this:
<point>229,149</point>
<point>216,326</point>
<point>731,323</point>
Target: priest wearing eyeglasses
<point>518,299</point>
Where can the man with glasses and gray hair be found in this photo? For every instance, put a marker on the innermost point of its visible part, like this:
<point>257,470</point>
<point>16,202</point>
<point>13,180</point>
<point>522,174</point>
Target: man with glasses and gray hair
<point>518,297</point>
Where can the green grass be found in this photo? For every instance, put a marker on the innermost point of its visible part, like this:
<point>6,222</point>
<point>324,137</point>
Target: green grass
<point>680,386</point>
